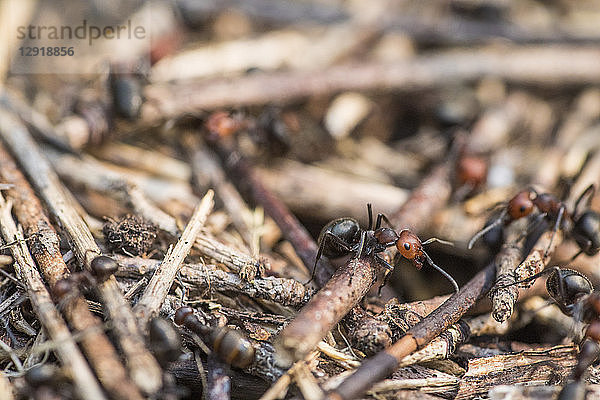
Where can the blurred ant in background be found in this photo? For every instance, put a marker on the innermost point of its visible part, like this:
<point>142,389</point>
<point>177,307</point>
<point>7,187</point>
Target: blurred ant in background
<point>344,236</point>
<point>583,227</point>
<point>228,344</point>
<point>102,268</point>
<point>574,294</point>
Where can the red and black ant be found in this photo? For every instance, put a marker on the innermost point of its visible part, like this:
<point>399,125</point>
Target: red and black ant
<point>575,296</point>
<point>229,344</point>
<point>344,236</point>
<point>585,227</point>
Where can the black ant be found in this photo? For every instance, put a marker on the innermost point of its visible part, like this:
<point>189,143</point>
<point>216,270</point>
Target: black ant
<point>585,228</point>
<point>574,294</point>
<point>344,236</point>
<point>229,344</point>
<point>164,341</point>
<point>102,268</point>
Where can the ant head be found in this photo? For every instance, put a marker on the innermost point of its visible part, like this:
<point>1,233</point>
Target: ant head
<point>61,288</point>
<point>471,170</point>
<point>103,267</point>
<point>573,283</point>
<point>409,244</point>
<point>521,205</point>
<point>386,236</point>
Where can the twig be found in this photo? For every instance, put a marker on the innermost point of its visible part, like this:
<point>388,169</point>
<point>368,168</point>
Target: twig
<point>144,369</point>
<point>246,266</point>
<point>206,164</point>
<point>150,161</point>
<point>162,280</point>
<point>99,351</point>
<point>95,176</point>
<point>307,383</point>
<point>528,64</point>
<point>504,299</point>
<point>524,367</point>
<point>329,193</point>
<point>291,228</point>
<point>66,349</point>
<point>510,270</point>
<point>287,292</point>
<point>344,290</point>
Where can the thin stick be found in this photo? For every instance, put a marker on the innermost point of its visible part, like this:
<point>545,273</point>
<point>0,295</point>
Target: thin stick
<point>94,175</point>
<point>143,368</point>
<point>66,349</point>
<point>246,266</point>
<point>540,65</point>
<point>99,350</point>
<point>285,291</point>
<point>206,164</point>
<point>155,293</point>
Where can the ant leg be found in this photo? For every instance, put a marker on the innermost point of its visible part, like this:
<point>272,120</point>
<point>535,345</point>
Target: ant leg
<point>326,237</point>
<point>531,278</point>
<point>559,218</point>
<point>370,212</point>
<point>431,240</point>
<point>388,272</point>
<point>589,191</point>
<point>486,230</point>
<point>361,245</point>
<point>581,251</point>
<point>451,279</point>
<point>386,278</point>
<point>380,217</point>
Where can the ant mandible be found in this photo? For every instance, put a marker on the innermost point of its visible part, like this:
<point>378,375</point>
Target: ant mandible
<point>585,228</point>
<point>344,236</point>
<point>575,296</point>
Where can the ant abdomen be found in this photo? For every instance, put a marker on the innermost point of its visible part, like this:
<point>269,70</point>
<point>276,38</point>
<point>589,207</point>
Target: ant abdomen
<point>586,232</point>
<point>230,345</point>
<point>346,229</point>
<point>567,288</point>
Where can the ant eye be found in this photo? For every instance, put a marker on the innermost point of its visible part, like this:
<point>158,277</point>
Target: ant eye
<point>520,206</point>
<point>407,246</point>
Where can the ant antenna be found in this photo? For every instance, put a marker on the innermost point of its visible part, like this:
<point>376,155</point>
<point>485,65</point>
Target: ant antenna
<point>486,230</point>
<point>589,192</point>
<point>451,279</point>
<point>370,212</point>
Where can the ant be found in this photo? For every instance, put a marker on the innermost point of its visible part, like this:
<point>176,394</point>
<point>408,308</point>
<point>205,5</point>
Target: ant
<point>344,236</point>
<point>574,294</point>
<point>102,268</point>
<point>585,228</point>
<point>164,341</point>
<point>228,344</point>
